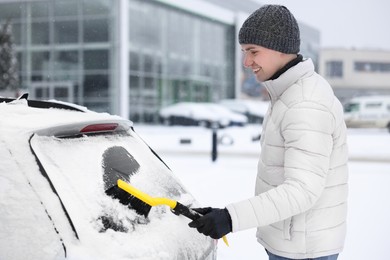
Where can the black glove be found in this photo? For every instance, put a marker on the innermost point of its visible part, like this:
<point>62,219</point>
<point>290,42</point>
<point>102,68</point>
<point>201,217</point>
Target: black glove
<point>214,223</point>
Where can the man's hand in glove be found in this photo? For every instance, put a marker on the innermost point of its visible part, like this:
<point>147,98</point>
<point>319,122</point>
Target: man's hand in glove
<point>214,223</point>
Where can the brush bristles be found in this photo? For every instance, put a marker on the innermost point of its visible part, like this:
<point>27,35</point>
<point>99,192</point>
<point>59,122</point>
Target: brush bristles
<point>127,199</point>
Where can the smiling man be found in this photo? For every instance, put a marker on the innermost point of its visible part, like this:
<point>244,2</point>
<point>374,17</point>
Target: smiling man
<point>300,202</point>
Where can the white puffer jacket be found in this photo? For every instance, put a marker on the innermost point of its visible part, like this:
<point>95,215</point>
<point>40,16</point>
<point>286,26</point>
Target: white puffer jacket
<point>301,191</point>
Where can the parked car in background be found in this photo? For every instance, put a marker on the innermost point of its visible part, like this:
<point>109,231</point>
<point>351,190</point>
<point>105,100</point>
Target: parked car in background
<point>202,114</point>
<point>368,111</point>
<point>254,110</point>
<point>58,161</point>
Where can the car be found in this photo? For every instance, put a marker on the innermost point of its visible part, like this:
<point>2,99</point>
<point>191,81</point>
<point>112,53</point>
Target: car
<point>254,110</point>
<point>202,114</point>
<point>368,112</point>
<point>59,161</point>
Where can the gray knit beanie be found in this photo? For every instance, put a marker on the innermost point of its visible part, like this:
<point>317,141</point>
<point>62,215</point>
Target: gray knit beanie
<point>273,27</point>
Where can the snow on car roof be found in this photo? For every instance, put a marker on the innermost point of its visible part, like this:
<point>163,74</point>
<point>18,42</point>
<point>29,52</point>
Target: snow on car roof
<point>196,110</point>
<point>254,107</point>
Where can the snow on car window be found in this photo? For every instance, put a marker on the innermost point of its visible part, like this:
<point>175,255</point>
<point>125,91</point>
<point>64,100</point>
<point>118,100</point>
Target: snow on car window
<point>74,166</point>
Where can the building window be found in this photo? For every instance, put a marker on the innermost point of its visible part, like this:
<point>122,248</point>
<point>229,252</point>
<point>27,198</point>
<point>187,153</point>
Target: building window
<point>334,69</point>
<point>40,33</point>
<point>366,66</point>
<point>66,31</point>
<point>96,30</point>
<point>96,60</point>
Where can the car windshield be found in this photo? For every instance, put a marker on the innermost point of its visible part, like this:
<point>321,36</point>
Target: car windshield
<point>351,107</point>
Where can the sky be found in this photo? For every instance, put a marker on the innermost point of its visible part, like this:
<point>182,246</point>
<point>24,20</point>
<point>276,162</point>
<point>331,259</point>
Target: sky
<point>345,23</point>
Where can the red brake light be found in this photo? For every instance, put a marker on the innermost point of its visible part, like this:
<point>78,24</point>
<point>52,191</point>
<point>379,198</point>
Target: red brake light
<point>99,128</point>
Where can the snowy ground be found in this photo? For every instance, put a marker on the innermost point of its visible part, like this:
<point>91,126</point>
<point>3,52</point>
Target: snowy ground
<point>231,178</point>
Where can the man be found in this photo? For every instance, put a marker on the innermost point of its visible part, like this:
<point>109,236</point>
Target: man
<point>300,201</point>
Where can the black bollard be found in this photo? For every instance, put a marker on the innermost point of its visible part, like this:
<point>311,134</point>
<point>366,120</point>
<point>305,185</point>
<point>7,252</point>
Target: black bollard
<point>214,150</point>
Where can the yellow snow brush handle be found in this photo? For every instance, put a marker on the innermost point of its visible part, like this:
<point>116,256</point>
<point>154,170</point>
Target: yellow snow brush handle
<point>153,201</point>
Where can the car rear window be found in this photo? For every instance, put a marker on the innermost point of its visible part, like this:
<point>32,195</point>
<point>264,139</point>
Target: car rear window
<point>75,168</point>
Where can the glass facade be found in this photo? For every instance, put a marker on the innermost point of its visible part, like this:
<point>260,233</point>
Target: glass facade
<point>67,50</point>
<point>64,49</point>
<point>176,56</point>
<point>310,43</point>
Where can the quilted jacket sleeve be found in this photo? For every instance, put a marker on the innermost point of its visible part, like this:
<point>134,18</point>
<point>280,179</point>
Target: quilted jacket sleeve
<point>307,129</point>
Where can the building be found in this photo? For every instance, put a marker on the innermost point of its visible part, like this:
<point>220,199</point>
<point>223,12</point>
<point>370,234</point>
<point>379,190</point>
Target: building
<point>353,72</point>
<point>132,57</point>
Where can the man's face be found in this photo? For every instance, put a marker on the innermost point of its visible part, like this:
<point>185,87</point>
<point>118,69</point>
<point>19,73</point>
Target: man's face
<point>263,62</point>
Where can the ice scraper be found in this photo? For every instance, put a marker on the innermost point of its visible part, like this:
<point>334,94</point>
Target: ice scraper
<point>176,207</point>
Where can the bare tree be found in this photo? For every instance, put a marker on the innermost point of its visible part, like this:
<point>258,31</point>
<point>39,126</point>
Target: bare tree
<point>9,78</point>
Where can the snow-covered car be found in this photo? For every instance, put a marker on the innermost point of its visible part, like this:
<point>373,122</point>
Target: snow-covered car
<point>57,163</point>
<point>254,110</point>
<point>202,114</point>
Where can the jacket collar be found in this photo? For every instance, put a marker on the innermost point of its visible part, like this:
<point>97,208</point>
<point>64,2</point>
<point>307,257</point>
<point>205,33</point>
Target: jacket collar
<point>278,86</point>
<point>289,65</point>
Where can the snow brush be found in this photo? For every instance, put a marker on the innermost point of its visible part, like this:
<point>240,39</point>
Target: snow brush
<point>176,207</point>
<point>118,163</point>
